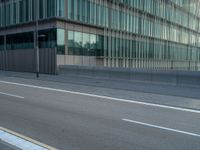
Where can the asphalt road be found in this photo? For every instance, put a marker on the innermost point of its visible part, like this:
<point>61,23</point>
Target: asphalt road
<point>71,120</point>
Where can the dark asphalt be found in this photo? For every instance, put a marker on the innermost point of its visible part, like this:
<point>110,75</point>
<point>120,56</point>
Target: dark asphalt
<point>76,122</point>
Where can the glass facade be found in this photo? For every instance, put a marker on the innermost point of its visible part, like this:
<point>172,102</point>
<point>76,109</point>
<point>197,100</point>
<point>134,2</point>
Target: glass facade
<point>60,41</point>
<point>48,38</point>
<point>14,12</point>
<point>1,43</point>
<point>88,12</point>
<point>20,41</point>
<point>131,33</point>
<point>143,33</point>
<point>85,44</point>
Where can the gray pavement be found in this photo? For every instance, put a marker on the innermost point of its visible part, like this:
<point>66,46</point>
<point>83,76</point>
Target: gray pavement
<point>182,96</point>
<point>5,146</point>
<point>138,86</point>
<point>79,122</point>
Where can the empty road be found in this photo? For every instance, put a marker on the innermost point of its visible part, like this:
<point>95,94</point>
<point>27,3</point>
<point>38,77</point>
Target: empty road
<point>74,120</point>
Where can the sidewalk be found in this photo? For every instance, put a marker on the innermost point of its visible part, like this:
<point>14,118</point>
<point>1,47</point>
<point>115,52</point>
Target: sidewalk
<point>180,96</point>
<point>137,86</point>
<point>5,146</point>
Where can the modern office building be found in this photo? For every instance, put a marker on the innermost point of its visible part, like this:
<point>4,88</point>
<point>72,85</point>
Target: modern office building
<point>152,34</point>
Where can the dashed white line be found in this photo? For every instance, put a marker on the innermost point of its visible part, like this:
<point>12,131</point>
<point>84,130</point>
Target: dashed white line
<point>12,95</point>
<point>162,128</point>
<point>105,97</point>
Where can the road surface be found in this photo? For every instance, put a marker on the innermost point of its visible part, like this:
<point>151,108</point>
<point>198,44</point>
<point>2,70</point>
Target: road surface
<point>75,120</point>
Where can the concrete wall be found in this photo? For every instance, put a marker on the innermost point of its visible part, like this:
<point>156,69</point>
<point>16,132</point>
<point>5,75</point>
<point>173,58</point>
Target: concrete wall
<point>188,78</point>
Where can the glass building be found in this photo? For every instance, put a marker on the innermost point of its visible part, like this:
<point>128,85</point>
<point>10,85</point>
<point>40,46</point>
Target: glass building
<point>150,34</point>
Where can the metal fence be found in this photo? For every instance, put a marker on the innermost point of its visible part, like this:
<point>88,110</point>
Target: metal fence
<point>24,60</point>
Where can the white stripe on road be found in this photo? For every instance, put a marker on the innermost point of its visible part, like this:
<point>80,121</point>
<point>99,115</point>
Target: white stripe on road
<point>105,97</point>
<point>163,128</point>
<point>12,95</point>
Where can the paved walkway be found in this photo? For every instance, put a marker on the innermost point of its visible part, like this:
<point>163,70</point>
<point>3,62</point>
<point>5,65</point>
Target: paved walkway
<point>181,96</point>
<point>4,146</point>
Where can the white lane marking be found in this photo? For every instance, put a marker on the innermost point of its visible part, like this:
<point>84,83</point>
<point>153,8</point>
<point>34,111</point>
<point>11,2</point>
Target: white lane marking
<point>12,95</point>
<point>163,128</point>
<point>105,97</point>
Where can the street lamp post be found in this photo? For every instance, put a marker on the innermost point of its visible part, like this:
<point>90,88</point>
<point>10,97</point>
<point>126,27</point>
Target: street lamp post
<point>36,38</point>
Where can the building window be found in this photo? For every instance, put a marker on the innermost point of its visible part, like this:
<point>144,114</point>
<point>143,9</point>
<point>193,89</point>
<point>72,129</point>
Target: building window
<point>52,38</point>
<point>20,41</point>
<point>47,38</point>
<point>60,8</point>
<point>85,44</point>
<point>60,41</point>
<point>78,43</point>
<point>1,42</point>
